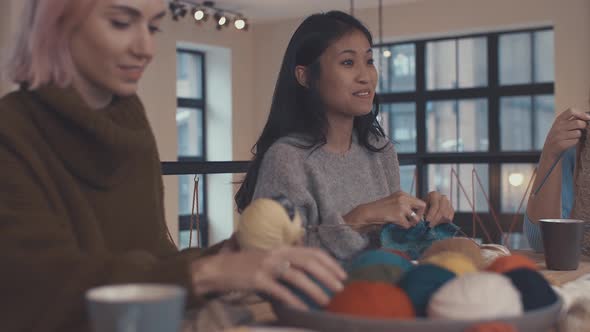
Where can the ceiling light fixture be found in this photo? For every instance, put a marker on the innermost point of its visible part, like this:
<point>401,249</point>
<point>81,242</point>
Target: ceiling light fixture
<point>200,12</point>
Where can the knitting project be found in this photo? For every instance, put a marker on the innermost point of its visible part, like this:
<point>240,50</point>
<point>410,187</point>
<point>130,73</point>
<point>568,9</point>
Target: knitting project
<point>415,240</point>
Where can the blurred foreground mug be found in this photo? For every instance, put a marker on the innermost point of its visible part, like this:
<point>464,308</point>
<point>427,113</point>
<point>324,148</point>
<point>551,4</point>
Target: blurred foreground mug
<point>562,242</point>
<point>136,308</point>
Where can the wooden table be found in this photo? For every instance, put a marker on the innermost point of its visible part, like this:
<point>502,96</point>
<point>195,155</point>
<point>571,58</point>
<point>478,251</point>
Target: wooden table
<point>558,278</point>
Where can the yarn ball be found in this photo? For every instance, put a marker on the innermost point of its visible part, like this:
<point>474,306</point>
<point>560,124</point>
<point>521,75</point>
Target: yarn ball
<point>398,252</point>
<point>456,262</point>
<point>308,300</point>
<point>269,223</point>
<point>463,245</point>
<point>372,300</point>
<point>577,318</point>
<point>482,295</point>
<point>492,327</point>
<point>380,272</point>
<point>378,257</point>
<point>512,262</point>
<point>422,282</point>
<point>534,289</point>
<point>491,251</point>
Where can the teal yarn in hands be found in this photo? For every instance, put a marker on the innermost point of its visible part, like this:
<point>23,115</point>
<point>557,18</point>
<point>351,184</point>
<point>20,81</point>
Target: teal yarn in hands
<point>422,282</point>
<point>378,257</point>
<point>380,272</point>
<point>534,289</point>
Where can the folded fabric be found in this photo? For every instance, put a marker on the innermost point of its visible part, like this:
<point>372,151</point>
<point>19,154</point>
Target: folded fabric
<point>415,240</point>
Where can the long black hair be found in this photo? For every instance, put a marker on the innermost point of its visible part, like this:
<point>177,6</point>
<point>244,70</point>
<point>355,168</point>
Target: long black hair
<point>298,110</point>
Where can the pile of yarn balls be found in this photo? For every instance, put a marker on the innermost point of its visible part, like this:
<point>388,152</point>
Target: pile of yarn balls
<point>450,281</point>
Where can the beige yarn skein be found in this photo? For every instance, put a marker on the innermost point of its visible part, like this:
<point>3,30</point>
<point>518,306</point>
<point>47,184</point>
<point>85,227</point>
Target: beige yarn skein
<point>265,224</point>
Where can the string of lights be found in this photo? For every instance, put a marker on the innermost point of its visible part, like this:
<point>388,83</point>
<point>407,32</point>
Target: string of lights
<point>201,12</point>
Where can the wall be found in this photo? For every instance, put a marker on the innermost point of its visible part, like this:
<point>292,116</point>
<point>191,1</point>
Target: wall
<point>432,18</point>
<point>231,110</point>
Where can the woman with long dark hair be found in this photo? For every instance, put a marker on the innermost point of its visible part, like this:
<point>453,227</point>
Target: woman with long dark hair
<point>323,147</point>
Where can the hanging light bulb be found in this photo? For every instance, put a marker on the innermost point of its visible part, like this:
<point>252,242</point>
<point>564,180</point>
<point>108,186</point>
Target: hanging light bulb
<point>387,54</point>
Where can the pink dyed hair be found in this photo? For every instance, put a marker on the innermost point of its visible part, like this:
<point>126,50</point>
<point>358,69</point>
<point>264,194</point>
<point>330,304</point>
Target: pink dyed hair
<point>41,54</point>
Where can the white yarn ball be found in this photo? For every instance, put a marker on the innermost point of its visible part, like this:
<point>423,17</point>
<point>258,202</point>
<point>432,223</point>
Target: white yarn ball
<point>482,295</point>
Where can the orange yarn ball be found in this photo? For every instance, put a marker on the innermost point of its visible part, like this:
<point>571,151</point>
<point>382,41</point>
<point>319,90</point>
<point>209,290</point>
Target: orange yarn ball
<point>508,263</point>
<point>492,327</point>
<point>372,300</point>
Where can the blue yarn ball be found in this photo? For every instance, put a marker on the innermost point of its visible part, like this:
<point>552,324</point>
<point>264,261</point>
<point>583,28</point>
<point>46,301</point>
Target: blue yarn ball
<point>422,282</point>
<point>313,305</point>
<point>379,257</point>
<point>385,273</point>
<point>534,289</point>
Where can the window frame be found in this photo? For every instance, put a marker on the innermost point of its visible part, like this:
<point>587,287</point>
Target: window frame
<point>493,92</point>
<point>187,162</point>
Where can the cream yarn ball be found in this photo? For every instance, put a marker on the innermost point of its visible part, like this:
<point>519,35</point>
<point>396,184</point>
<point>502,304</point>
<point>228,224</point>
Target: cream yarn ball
<point>482,295</point>
<point>491,251</point>
<point>269,223</point>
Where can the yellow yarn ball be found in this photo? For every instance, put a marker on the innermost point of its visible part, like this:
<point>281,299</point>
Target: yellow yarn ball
<point>452,261</point>
<point>466,246</point>
<point>265,224</point>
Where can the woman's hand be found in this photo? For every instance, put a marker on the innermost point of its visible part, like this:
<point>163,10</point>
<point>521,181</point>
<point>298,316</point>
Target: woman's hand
<point>438,209</point>
<point>565,132</point>
<point>261,270</point>
<point>399,208</point>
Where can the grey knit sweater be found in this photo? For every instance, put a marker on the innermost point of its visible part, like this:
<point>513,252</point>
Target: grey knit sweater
<point>325,186</point>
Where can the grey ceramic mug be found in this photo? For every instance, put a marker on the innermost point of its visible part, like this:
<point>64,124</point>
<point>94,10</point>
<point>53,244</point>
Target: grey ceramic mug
<point>562,243</point>
<point>136,308</point>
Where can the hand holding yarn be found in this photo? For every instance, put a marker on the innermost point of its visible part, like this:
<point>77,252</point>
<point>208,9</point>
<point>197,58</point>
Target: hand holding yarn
<point>565,132</point>
<point>438,209</point>
<point>269,223</point>
<point>398,208</point>
<point>271,272</point>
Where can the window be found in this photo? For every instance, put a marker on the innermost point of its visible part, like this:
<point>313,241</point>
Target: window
<point>479,102</point>
<point>190,123</point>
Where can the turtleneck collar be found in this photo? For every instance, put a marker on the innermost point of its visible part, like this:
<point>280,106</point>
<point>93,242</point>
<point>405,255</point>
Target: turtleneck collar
<point>98,146</point>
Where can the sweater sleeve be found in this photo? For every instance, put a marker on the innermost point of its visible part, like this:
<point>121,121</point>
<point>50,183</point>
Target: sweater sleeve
<point>45,270</point>
<point>282,172</point>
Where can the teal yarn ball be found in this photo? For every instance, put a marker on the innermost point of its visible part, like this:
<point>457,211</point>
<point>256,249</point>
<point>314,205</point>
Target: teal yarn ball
<point>421,282</point>
<point>380,272</point>
<point>535,291</point>
<point>311,303</point>
<point>379,257</point>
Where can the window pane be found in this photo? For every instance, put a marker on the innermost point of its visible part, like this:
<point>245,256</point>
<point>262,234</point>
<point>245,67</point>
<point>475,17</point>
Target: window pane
<point>515,178</point>
<point>544,56</point>
<point>189,123</point>
<point>516,123</point>
<point>440,178</point>
<point>473,62</point>
<point>544,116</point>
<point>515,58</point>
<point>399,123</point>
<point>399,68</point>
<point>457,126</point>
<point>473,125</point>
<point>441,65</point>
<point>186,186</point>
<point>407,178</point>
<point>189,75</point>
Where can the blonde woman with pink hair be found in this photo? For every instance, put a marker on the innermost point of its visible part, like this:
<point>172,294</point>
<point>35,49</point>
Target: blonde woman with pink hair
<point>81,203</point>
